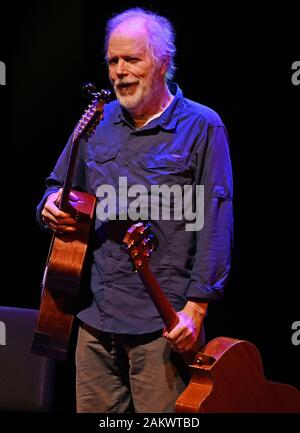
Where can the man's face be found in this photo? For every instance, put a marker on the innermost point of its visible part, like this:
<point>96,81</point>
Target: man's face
<point>132,70</point>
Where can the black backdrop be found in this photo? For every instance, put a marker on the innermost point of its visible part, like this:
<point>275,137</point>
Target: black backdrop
<point>236,60</point>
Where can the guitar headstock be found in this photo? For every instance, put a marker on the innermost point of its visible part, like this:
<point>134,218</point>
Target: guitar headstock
<point>140,242</point>
<point>93,114</point>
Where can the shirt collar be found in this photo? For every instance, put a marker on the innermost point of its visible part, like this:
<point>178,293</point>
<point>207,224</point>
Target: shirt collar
<point>168,119</point>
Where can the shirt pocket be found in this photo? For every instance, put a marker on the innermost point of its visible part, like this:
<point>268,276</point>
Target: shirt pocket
<point>102,153</point>
<point>171,163</point>
<point>101,165</point>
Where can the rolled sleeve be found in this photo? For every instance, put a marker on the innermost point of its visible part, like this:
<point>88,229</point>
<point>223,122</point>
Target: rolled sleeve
<point>214,241</point>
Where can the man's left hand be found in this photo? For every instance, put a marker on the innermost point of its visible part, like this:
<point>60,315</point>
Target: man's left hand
<point>186,333</point>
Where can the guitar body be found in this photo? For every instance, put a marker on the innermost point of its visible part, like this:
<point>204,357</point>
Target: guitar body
<point>62,283</point>
<point>227,375</point>
<point>234,382</point>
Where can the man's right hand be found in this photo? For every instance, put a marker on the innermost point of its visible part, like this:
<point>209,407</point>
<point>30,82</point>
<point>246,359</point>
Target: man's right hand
<point>54,218</point>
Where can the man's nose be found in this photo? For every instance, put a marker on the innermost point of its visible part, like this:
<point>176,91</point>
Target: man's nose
<point>121,68</point>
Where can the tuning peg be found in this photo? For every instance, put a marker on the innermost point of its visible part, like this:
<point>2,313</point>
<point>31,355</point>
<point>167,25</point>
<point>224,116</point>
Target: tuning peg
<point>150,244</point>
<point>147,227</point>
<point>88,89</point>
<point>130,244</point>
<point>151,239</point>
<point>105,94</point>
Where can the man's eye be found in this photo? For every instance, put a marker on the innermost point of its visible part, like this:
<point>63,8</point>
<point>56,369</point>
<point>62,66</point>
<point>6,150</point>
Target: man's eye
<point>132,60</point>
<point>114,61</point>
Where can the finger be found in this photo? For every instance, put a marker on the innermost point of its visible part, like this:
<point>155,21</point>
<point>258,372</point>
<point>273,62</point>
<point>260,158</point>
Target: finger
<point>165,332</point>
<point>55,197</point>
<point>56,215</point>
<point>175,333</point>
<point>53,209</point>
<point>66,220</point>
<point>177,348</point>
<point>65,229</point>
<point>60,229</point>
<point>185,341</point>
<point>182,346</point>
<point>73,197</point>
<point>48,218</point>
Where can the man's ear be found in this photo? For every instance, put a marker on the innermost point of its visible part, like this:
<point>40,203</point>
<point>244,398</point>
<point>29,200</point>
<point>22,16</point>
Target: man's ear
<point>165,65</point>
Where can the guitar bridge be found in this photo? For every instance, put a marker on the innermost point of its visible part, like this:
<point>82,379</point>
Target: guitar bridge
<point>202,359</point>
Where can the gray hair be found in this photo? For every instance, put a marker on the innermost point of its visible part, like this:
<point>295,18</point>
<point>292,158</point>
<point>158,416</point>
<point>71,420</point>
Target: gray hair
<point>160,31</point>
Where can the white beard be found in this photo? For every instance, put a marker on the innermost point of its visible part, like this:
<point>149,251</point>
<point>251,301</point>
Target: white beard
<point>142,96</point>
<point>130,102</point>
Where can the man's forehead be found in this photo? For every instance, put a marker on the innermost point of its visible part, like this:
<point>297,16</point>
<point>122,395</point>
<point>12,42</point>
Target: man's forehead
<point>129,34</point>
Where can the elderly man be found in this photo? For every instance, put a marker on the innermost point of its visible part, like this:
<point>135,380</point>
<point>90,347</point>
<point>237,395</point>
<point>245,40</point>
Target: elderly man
<point>151,135</point>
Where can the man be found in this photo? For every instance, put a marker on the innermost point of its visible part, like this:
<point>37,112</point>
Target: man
<point>151,135</point>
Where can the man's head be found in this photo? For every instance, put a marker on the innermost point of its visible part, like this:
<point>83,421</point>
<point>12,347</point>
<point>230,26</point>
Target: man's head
<point>140,52</point>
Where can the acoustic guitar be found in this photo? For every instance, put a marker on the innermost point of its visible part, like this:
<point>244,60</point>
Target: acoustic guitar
<point>65,263</point>
<point>227,374</point>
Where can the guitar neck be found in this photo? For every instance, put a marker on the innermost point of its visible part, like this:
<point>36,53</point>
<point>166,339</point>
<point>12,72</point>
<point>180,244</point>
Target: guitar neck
<point>83,130</point>
<point>64,204</point>
<point>163,305</point>
<point>161,302</point>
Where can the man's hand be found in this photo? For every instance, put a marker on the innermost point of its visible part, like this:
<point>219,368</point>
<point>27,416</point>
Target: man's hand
<point>55,219</point>
<point>185,334</point>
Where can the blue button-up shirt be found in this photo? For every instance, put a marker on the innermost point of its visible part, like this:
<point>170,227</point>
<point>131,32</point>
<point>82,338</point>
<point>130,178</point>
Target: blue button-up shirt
<point>186,145</point>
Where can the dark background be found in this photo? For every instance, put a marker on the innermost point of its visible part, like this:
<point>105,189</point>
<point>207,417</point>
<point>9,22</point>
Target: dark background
<point>237,60</point>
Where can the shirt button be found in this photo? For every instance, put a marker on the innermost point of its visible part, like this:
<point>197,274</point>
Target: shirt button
<point>125,163</point>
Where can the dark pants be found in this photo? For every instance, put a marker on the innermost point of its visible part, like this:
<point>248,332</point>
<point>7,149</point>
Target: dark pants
<point>124,373</point>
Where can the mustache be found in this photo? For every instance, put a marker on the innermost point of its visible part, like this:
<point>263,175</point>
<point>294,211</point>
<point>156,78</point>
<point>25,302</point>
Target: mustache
<point>120,83</point>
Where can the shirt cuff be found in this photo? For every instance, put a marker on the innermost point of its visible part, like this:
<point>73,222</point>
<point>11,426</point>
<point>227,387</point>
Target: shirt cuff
<point>204,293</point>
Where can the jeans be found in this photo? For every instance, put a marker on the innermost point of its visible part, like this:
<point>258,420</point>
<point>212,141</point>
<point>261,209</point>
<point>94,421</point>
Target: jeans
<point>127,373</point>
